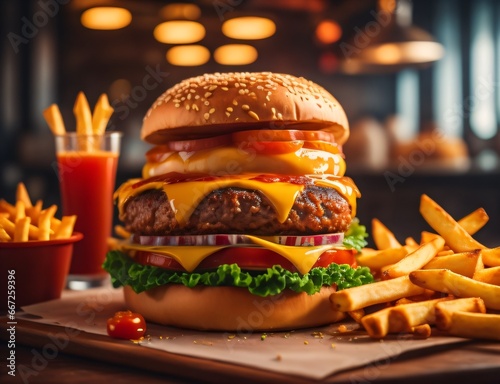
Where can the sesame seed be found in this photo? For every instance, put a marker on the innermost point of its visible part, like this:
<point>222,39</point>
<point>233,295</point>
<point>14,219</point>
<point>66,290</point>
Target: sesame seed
<point>206,103</point>
<point>188,107</point>
<point>245,107</point>
<point>206,116</point>
<point>228,114</point>
<point>225,88</point>
<point>212,110</point>
<point>235,102</point>
<point>253,115</point>
<point>208,94</point>
<point>230,109</point>
<point>177,105</point>
<point>212,88</point>
<point>241,91</point>
<point>195,107</point>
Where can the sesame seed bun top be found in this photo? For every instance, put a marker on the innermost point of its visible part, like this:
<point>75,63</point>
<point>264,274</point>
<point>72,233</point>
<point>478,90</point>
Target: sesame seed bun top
<point>214,104</point>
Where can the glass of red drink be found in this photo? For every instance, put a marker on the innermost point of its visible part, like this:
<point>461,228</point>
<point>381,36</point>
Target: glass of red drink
<point>87,172</point>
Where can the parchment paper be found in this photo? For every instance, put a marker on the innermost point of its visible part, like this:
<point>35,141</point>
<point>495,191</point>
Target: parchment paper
<point>312,353</point>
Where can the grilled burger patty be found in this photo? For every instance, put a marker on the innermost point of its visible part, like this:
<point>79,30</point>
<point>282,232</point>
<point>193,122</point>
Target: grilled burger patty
<point>233,210</point>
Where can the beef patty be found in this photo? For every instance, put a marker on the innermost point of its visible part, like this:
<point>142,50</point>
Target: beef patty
<point>233,210</point>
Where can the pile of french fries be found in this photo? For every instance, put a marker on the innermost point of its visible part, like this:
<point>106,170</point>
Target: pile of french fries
<point>87,123</point>
<point>24,221</point>
<point>446,283</point>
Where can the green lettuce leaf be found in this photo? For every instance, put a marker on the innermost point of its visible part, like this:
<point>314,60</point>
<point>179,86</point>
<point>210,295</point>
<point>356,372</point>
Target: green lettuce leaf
<point>124,271</point>
<point>355,236</point>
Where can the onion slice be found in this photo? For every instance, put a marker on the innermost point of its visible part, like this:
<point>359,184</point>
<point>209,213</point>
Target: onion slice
<point>238,239</point>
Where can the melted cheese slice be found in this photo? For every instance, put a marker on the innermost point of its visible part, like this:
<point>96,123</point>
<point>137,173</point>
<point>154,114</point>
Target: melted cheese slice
<point>303,258</point>
<point>231,160</point>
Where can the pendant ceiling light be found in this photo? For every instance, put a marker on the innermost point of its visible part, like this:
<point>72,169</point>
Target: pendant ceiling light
<point>106,18</point>
<point>179,32</point>
<point>249,28</point>
<point>390,43</point>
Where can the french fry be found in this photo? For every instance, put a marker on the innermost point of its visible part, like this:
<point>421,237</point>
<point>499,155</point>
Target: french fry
<point>382,236</point>
<point>455,236</point>
<point>53,117</point>
<point>444,280</point>
<point>403,318</point>
<point>20,210</point>
<point>410,242</point>
<point>357,315</point>
<point>122,232</point>
<point>34,212</point>
<point>377,323</point>
<point>7,208</point>
<point>379,259</point>
<point>414,260</point>
<point>474,325</point>
<point>351,299</point>
<point>444,309</point>
<point>83,115</point>
<point>403,301</point>
<point>21,230</point>
<point>474,221</point>
<point>422,331</point>
<point>491,257</point>
<point>464,263</point>
<point>22,194</point>
<point>44,222</point>
<point>101,115</point>
<point>7,225</point>
<point>445,252</point>
<point>4,236</point>
<point>65,229</point>
<point>488,275</point>
<point>427,237</point>
<point>54,224</point>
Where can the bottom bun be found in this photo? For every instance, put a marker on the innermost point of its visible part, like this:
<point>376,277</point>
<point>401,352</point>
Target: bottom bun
<point>232,309</point>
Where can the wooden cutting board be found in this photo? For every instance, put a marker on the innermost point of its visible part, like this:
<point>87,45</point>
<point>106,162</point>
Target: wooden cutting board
<point>477,361</point>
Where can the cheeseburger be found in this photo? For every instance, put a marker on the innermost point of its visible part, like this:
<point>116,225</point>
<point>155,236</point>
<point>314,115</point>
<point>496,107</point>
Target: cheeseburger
<point>243,219</point>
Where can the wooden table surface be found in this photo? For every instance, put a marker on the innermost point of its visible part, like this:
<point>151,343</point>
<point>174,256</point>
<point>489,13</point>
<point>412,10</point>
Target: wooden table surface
<point>470,362</point>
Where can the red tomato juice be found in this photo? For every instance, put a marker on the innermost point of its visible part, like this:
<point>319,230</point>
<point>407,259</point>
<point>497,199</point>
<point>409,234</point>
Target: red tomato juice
<point>87,182</point>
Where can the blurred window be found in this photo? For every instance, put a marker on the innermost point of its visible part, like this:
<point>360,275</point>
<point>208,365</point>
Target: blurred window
<point>407,102</point>
<point>447,74</point>
<point>481,101</point>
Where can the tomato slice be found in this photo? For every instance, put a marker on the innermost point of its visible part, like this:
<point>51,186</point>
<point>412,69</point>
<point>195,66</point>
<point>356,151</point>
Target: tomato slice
<point>247,258</point>
<point>259,135</point>
<point>199,144</point>
<point>126,325</point>
<point>158,154</point>
<point>323,146</point>
<point>272,147</point>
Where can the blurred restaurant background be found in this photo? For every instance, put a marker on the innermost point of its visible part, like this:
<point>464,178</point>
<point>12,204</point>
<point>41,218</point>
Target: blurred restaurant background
<point>418,80</point>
